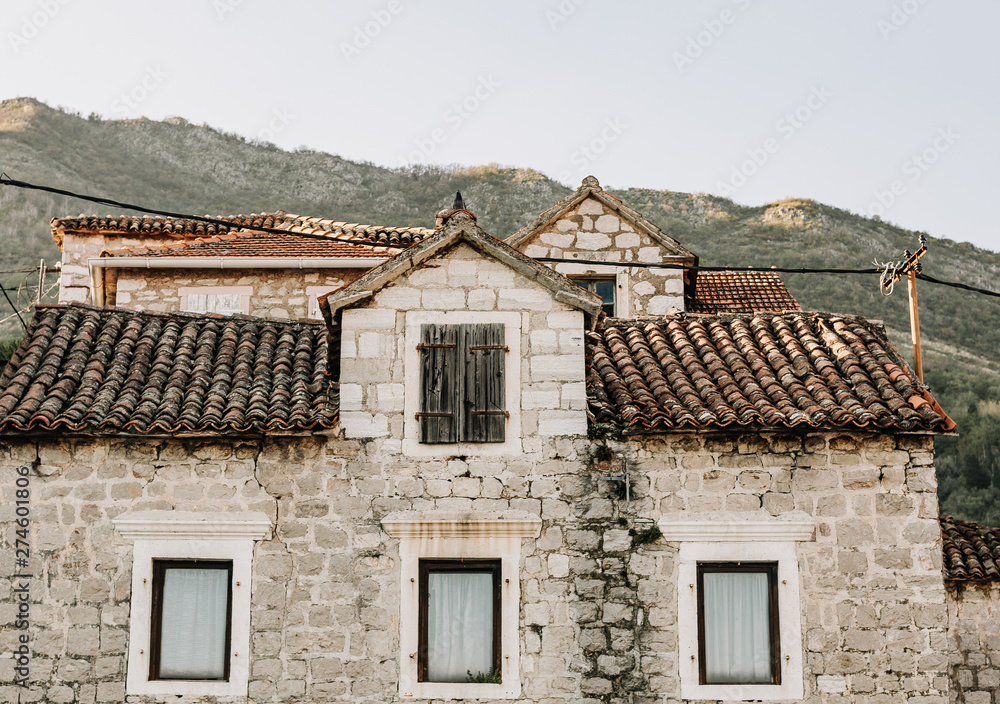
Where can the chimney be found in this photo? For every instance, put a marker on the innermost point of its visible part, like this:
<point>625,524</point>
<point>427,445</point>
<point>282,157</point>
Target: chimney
<point>457,207</point>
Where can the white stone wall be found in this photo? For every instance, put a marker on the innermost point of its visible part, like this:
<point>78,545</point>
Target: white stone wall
<point>545,367</point>
<point>598,620</point>
<point>974,630</point>
<point>74,283</point>
<point>590,231</point>
<point>278,294</point>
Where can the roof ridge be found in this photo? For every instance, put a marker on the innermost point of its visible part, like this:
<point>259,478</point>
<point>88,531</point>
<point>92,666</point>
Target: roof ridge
<point>186,315</point>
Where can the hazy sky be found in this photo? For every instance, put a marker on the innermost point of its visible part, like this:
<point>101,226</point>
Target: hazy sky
<point>885,107</point>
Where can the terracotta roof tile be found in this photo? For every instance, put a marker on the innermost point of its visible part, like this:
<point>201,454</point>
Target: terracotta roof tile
<point>740,292</point>
<point>971,551</point>
<point>104,371</point>
<point>128,225</point>
<point>255,244</point>
<point>762,371</point>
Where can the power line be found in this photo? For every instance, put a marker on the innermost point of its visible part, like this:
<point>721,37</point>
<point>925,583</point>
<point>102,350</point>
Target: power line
<point>690,267</point>
<point>6,180</point>
<point>954,284</point>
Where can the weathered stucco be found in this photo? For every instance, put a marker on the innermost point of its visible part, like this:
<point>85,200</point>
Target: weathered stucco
<point>598,612</point>
<point>591,231</point>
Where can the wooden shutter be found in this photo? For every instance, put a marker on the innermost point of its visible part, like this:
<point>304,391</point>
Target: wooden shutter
<point>440,378</point>
<point>484,411</point>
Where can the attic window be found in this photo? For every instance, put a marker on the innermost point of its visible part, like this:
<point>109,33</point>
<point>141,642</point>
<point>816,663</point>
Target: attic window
<point>462,383</point>
<point>603,286</point>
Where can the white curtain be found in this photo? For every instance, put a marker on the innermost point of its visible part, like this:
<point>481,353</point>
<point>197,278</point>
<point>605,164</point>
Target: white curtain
<point>737,627</point>
<point>459,625</point>
<point>222,303</point>
<point>193,627</point>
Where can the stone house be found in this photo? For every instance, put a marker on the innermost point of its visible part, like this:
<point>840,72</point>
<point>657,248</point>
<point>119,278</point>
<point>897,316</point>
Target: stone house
<point>469,482</point>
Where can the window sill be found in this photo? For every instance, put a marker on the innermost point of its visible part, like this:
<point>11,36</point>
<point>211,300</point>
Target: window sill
<point>460,690</point>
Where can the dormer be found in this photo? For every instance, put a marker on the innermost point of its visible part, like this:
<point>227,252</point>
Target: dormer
<point>460,345</point>
<point>594,227</point>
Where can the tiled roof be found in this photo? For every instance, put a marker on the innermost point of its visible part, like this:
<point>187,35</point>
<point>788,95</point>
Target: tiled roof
<point>762,371</point>
<point>971,551</point>
<point>106,371</point>
<point>255,244</point>
<point>739,292</point>
<point>127,225</point>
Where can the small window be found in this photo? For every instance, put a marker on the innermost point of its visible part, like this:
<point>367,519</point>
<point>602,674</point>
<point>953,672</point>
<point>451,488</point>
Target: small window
<point>603,287</point>
<point>191,620</point>
<point>462,383</point>
<point>738,623</point>
<point>224,300</point>
<point>222,303</point>
<point>459,621</point>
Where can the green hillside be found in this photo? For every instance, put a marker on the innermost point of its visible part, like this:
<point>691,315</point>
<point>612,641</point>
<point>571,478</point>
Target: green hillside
<point>175,165</point>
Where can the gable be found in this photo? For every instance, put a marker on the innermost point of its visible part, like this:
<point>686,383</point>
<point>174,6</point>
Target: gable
<point>461,228</point>
<point>593,210</point>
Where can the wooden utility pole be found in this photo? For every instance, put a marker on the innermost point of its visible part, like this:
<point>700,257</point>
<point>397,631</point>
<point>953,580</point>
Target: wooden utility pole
<point>909,266</point>
<point>911,285</point>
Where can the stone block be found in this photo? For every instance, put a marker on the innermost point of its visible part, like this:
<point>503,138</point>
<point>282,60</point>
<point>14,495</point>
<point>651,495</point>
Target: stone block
<point>627,240</point>
<point>398,297</point>
<point>443,299</point>
<point>369,319</point>
<point>556,423</point>
<point>561,367</point>
<point>524,299</point>
<point>364,425</point>
<point>482,299</point>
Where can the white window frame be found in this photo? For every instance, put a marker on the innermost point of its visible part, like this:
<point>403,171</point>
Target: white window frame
<point>313,293</point>
<point>181,535</point>
<point>512,322</point>
<point>731,539</point>
<point>621,275</point>
<point>437,535</point>
<point>244,292</point>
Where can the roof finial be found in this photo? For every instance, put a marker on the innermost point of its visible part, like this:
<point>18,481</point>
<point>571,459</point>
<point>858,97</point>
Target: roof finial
<point>591,182</point>
<point>459,202</point>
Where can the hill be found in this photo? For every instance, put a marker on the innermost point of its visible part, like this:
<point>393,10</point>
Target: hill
<point>179,166</point>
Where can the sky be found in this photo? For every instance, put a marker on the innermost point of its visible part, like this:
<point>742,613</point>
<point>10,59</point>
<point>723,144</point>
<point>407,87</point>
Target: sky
<point>883,107</point>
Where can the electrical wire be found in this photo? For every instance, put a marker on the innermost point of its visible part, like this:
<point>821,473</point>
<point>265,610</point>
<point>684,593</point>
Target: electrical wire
<point>6,180</point>
<point>885,270</point>
<point>16,311</point>
<point>689,267</point>
<point>954,284</point>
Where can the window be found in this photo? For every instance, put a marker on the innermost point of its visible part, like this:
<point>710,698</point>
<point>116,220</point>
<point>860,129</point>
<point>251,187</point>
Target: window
<point>462,383</point>
<point>460,602</point>
<point>459,621</point>
<point>738,623</point>
<point>313,293</point>
<point>224,300</point>
<point>189,627</point>
<point>191,620</point>
<point>603,286</point>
